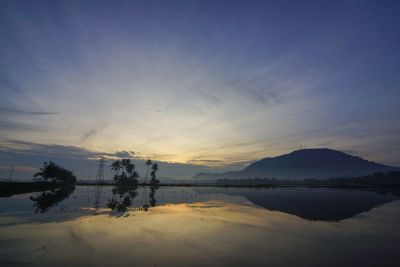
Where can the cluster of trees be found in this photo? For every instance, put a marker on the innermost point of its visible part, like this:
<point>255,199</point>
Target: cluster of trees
<point>379,178</point>
<point>128,173</point>
<point>252,181</point>
<point>126,181</point>
<point>125,172</point>
<point>56,174</point>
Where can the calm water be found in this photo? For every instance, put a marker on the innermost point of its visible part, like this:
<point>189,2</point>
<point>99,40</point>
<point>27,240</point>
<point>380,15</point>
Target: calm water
<point>188,226</point>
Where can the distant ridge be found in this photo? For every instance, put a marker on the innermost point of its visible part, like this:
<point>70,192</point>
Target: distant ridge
<point>319,163</point>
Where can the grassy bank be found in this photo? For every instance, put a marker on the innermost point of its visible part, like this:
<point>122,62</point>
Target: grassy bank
<point>251,185</point>
<point>10,188</point>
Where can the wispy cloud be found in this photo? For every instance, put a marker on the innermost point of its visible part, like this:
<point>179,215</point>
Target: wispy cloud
<point>7,125</point>
<point>84,162</point>
<point>92,132</point>
<point>178,88</point>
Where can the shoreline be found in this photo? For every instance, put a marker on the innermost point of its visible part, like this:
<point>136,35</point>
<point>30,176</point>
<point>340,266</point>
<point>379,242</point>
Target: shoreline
<point>251,186</point>
<point>11,188</point>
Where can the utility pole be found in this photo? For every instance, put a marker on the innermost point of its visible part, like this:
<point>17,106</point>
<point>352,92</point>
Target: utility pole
<point>99,181</point>
<point>11,172</point>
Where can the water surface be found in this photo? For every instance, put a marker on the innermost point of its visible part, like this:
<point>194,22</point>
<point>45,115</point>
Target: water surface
<point>201,226</point>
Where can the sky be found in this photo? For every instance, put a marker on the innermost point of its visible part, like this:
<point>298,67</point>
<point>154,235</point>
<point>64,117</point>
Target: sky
<point>196,85</point>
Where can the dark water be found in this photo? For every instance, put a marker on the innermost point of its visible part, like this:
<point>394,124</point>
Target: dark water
<point>201,226</point>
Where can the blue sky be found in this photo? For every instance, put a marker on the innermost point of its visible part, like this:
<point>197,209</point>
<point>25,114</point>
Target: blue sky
<point>210,84</point>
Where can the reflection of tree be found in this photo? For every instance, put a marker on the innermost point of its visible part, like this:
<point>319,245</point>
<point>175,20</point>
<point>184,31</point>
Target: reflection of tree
<point>153,200</point>
<point>125,186</point>
<point>48,199</point>
<point>122,197</point>
<point>154,184</point>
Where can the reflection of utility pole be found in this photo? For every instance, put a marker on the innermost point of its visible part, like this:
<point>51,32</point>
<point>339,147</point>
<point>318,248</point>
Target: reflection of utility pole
<point>99,181</point>
<point>11,172</point>
<point>100,171</point>
<point>97,194</point>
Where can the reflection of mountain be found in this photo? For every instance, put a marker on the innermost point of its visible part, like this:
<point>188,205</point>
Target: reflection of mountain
<point>306,163</point>
<point>48,199</point>
<point>325,204</point>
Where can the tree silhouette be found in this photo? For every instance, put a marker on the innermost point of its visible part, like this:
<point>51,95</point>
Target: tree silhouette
<point>154,181</point>
<point>130,177</point>
<point>52,171</point>
<point>125,186</point>
<point>116,166</point>
<point>148,164</point>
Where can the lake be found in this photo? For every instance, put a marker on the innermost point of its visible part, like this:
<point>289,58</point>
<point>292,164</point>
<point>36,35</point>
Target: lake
<point>201,226</point>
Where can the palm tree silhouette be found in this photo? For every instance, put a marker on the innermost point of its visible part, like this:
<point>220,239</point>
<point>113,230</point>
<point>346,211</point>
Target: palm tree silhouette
<point>43,171</point>
<point>154,181</point>
<point>116,166</point>
<point>154,168</point>
<point>148,163</point>
<point>125,162</point>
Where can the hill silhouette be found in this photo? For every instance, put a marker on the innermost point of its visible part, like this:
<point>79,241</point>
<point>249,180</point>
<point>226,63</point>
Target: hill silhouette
<point>319,163</point>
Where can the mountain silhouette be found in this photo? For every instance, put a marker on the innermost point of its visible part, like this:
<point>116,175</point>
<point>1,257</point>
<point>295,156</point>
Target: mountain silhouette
<point>319,163</point>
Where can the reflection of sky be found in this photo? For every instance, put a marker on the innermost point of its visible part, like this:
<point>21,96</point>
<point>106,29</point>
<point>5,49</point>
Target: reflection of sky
<point>333,204</point>
<point>202,82</point>
<point>212,233</point>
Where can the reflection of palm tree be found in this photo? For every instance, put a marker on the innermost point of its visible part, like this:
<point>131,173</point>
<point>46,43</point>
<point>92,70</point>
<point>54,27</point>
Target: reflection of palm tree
<point>126,193</point>
<point>152,195</point>
<point>46,200</point>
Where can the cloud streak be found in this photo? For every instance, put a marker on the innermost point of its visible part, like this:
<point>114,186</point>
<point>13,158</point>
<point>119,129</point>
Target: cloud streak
<point>83,162</point>
<point>25,112</point>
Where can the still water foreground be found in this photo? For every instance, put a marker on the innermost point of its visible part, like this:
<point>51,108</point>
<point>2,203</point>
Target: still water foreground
<point>182,226</point>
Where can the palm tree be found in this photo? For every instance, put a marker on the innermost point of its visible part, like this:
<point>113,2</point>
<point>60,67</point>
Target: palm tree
<point>130,168</point>
<point>153,180</point>
<point>116,166</point>
<point>48,171</point>
<point>154,168</point>
<point>43,172</point>
<point>148,163</point>
<point>125,162</point>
